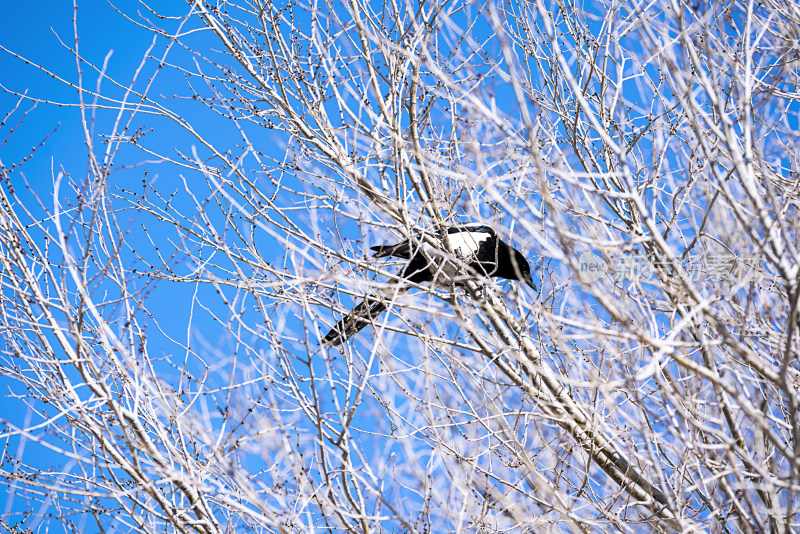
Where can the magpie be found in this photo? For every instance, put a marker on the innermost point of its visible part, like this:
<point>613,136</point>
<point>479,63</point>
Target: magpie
<point>475,245</point>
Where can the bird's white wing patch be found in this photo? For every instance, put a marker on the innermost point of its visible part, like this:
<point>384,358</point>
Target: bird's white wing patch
<point>465,244</point>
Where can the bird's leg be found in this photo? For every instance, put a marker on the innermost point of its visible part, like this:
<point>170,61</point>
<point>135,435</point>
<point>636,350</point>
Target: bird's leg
<point>480,293</point>
<point>477,290</point>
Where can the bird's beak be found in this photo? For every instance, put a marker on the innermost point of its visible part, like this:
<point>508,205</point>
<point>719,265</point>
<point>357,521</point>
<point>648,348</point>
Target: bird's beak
<point>528,279</point>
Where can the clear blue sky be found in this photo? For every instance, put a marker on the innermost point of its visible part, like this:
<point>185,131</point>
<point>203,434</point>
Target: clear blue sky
<point>34,30</point>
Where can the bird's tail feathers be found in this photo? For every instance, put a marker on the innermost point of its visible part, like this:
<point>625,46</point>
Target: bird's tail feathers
<point>361,316</point>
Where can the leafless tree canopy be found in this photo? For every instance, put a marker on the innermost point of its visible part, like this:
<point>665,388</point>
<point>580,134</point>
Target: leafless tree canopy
<point>163,301</point>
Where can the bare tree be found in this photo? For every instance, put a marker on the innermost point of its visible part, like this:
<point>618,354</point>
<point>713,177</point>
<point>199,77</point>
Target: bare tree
<point>162,310</point>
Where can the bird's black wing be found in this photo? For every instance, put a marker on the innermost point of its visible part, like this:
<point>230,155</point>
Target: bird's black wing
<point>488,256</point>
<point>400,250</point>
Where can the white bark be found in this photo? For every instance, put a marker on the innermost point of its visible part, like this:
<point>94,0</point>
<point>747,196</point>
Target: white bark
<point>162,312</point>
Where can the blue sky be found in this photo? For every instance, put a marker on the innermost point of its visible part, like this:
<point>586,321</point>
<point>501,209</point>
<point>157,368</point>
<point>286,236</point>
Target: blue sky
<point>104,34</point>
<point>26,31</point>
<point>33,32</point>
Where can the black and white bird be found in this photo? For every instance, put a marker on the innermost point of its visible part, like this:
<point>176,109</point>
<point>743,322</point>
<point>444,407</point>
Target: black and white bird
<point>473,246</point>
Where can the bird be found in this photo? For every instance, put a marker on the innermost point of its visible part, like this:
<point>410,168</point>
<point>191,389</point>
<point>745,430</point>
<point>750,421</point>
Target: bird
<point>474,245</point>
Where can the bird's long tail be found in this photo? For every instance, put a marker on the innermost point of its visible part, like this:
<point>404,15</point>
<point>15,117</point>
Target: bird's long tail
<point>356,320</point>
